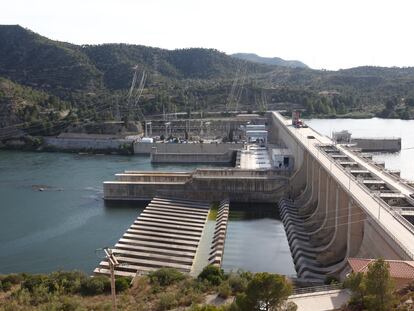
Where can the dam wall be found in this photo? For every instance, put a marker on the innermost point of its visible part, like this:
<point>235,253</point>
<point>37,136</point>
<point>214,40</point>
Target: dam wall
<point>334,215</point>
<point>189,148</point>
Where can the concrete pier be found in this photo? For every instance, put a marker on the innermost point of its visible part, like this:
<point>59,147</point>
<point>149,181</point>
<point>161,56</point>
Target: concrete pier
<point>219,238</point>
<point>166,234</point>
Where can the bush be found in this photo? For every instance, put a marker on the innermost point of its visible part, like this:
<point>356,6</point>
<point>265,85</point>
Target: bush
<point>6,286</point>
<point>212,274</point>
<point>331,280</point>
<point>95,286</point>
<point>68,282</point>
<point>14,278</point>
<point>122,283</point>
<point>167,301</point>
<point>224,290</point>
<point>35,280</point>
<point>237,283</point>
<point>166,276</point>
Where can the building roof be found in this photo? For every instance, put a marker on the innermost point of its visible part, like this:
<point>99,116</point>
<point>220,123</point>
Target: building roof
<point>398,268</point>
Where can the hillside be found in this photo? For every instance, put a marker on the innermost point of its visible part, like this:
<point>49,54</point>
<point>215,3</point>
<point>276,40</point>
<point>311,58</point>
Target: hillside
<point>20,104</point>
<point>275,61</point>
<point>91,82</point>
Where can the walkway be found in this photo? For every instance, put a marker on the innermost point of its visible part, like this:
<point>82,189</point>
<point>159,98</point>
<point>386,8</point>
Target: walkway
<point>321,301</point>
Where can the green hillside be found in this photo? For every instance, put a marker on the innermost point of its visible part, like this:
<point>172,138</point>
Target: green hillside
<point>92,82</point>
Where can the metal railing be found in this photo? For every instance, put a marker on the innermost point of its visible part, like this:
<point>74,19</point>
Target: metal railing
<point>316,289</point>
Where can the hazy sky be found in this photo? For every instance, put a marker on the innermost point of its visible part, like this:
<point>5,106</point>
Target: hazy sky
<point>328,34</point>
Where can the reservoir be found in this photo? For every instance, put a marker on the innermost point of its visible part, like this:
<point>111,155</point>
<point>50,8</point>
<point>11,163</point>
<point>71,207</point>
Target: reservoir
<point>61,226</point>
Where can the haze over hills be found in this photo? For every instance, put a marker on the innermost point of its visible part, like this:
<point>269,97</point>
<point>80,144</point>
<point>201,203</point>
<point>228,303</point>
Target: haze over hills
<point>42,80</point>
<point>276,61</point>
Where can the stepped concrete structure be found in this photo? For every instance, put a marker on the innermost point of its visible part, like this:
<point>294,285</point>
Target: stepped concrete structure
<point>219,238</point>
<point>166,234</point>
<point>340,204</point>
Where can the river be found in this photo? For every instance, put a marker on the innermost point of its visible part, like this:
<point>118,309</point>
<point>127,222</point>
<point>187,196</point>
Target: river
<point>60,227</point>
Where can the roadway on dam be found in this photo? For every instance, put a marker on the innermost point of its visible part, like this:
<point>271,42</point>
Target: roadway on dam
<point>399,231</point>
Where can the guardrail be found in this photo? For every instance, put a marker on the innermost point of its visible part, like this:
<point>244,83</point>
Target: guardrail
<point>315,289</point>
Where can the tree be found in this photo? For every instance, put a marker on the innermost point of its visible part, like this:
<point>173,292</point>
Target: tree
<point>264,292</point>
<point>372,290</point>
<point>379,286</point>
<point>356,283</point>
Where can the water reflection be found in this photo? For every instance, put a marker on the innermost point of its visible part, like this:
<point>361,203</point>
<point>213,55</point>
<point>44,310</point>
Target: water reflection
<point>256,240</point>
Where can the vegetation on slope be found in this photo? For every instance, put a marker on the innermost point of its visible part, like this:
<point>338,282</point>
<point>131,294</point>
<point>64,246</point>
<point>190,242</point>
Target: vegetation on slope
<point>164,289</point>
<point>93,81</point>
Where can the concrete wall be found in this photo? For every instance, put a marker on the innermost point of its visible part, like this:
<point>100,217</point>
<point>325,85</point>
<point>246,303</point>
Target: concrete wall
<point>220,158</point>
<point>211,185</point>
<point>378,144</point>
<point>146,148</point>
<point>281,136</point>
<point>84,144</point>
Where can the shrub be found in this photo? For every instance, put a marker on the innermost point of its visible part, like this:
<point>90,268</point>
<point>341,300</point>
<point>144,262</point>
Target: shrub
<point>6,286</point>
<point>167,301</point>
<point>68,282</point>
<point>14,278</point>
<point>331,280</point>
<point>166,276</point>
<point>212,274</point>
<point>122,283</point>
<point>237,283</point>
<point>224,290</point>
<point>69,304</point>
<point>95,286</point>
<point>35,280</point>
<point>40,295</point>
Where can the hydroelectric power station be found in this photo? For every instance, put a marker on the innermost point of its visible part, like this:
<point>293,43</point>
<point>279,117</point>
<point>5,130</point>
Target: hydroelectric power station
<point>334,201</point>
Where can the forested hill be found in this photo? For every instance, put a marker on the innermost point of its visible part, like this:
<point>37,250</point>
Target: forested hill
<point>45,80</point>
<point>277,61</point>
<point>31,59</point>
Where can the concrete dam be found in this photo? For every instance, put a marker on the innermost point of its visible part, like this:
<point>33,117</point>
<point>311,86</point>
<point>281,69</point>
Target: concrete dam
<point>334,201</point>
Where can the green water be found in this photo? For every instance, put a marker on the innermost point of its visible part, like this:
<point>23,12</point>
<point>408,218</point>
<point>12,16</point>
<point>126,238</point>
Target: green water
<point>61,227</point>
<point>256,240</point>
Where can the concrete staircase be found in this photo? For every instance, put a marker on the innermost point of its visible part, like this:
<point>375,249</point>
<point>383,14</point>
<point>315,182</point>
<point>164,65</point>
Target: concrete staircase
<point>166,234</point>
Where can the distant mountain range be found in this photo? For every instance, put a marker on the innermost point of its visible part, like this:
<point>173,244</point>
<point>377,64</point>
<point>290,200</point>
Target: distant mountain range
<point>276,61</point>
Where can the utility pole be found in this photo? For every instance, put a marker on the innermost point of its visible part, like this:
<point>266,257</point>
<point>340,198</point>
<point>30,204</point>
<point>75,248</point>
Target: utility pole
<point>113,262</point>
